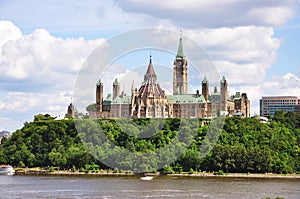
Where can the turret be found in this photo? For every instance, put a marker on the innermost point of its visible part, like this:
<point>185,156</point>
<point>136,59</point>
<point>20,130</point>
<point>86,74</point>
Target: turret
<point>99,96</point>
<point>116,89</point>
<point>205,88</point>
<point>223,94</point>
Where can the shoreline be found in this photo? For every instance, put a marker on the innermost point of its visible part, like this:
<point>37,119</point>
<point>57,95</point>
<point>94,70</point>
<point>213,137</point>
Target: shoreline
<point>240,175</point>
<point>128,174</point>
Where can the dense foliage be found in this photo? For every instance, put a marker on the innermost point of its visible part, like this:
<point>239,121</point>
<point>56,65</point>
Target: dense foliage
<point>45,142</point>
<point>243,145</point>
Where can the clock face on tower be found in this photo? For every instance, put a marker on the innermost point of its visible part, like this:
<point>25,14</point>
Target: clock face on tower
<point>179,63</point>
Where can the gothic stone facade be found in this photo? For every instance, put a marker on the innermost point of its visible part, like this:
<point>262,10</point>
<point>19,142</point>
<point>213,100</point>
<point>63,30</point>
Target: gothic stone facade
<point>151,101</point>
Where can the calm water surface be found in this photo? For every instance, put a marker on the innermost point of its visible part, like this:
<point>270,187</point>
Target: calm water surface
<point>133,187</point>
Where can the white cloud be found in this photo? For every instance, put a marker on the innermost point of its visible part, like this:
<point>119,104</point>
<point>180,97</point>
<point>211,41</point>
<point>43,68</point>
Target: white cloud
<point>38,71</point>
<point>40,58</point>
<point>285,85</point>
<point>267,16</point>
<point>18,102</point>
<point>288,84</point>
<point>242,54</point>
<point>18,107</point>
<point>8,32</point>
<point>214,13</point>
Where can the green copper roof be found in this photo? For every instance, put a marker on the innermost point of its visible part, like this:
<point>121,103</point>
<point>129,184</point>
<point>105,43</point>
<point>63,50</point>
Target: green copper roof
<point>204,80</point>
<point>108,97</point>
<point>116,82</point>
<point>180,50</point>
<point>237,96</point>
<point>99,82</point>
<point>223,79</point>
<point>214,97</point>
<point>122,100</point>
<point>185,99</point>
<point>106,102</point>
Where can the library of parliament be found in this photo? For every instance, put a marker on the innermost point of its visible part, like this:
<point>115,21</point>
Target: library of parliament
<point>151,101</point>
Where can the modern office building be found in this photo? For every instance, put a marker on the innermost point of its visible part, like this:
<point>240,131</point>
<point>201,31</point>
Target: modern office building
<point>270,104</point>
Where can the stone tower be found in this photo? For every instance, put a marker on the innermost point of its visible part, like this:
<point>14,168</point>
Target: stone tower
<point>71,111</point>
<point>180,72</point>
<point>223,94</point>
<point>205,88</point>
<point>99,96</point>
<point>116,89</point>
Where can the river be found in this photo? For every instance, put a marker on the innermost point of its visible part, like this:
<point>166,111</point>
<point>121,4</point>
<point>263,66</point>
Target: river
<point>133,187</point>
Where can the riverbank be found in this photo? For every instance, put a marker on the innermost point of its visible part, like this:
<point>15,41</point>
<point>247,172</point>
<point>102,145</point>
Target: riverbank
<point>239,175</point>
<point>37,171</point>
<point>129,173</point>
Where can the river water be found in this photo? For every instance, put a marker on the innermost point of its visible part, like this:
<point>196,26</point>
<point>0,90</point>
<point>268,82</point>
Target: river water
<point>133,187</point>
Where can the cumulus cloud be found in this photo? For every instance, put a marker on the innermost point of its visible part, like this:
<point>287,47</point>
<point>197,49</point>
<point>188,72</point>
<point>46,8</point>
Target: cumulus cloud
<point>43,102</point>
<point>288,84</point>
<point>8,32</point>
<point>40,59</point>
<point>38,71</point>
<point>17,107</point>
<point>242,54</point>
<point>213,13</point>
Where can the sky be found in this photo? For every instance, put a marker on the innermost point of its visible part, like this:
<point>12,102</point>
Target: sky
<point>43,45</point>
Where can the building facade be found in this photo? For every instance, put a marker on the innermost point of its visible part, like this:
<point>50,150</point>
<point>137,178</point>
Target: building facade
<point>151,101</point>
<point>270,104</point>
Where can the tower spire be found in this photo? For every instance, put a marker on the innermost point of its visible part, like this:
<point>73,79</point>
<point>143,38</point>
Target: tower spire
<point>150,74</point>
<point>180,48</point>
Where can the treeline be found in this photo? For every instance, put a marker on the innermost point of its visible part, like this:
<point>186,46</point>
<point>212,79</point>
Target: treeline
<point>246,145</point>
<point>243,144</point>
<point>45,142</point>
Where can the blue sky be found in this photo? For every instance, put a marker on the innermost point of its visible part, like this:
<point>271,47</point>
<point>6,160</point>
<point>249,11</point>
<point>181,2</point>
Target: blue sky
<point>254,43</point>
<point>288,54</point>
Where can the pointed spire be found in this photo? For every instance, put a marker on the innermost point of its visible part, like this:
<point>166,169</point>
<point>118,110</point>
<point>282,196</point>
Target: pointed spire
<point>180,54</point>
<point>223,80</point>
<point>99,82</point>
<point>204,80</point>
<point>116,82</point>
<point>150,74</point>
<point>215,90</point>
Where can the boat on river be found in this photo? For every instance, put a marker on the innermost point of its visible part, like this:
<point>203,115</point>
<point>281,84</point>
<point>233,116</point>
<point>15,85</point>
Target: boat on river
<point>147,178</point>
<point>6,170</point>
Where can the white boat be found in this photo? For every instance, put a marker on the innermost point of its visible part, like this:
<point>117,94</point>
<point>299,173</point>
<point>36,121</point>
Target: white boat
<point>147,178</point>
<point>7,170</point>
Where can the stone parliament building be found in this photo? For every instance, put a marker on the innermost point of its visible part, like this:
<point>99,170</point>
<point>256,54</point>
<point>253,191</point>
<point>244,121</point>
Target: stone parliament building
<point>151,101</point>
